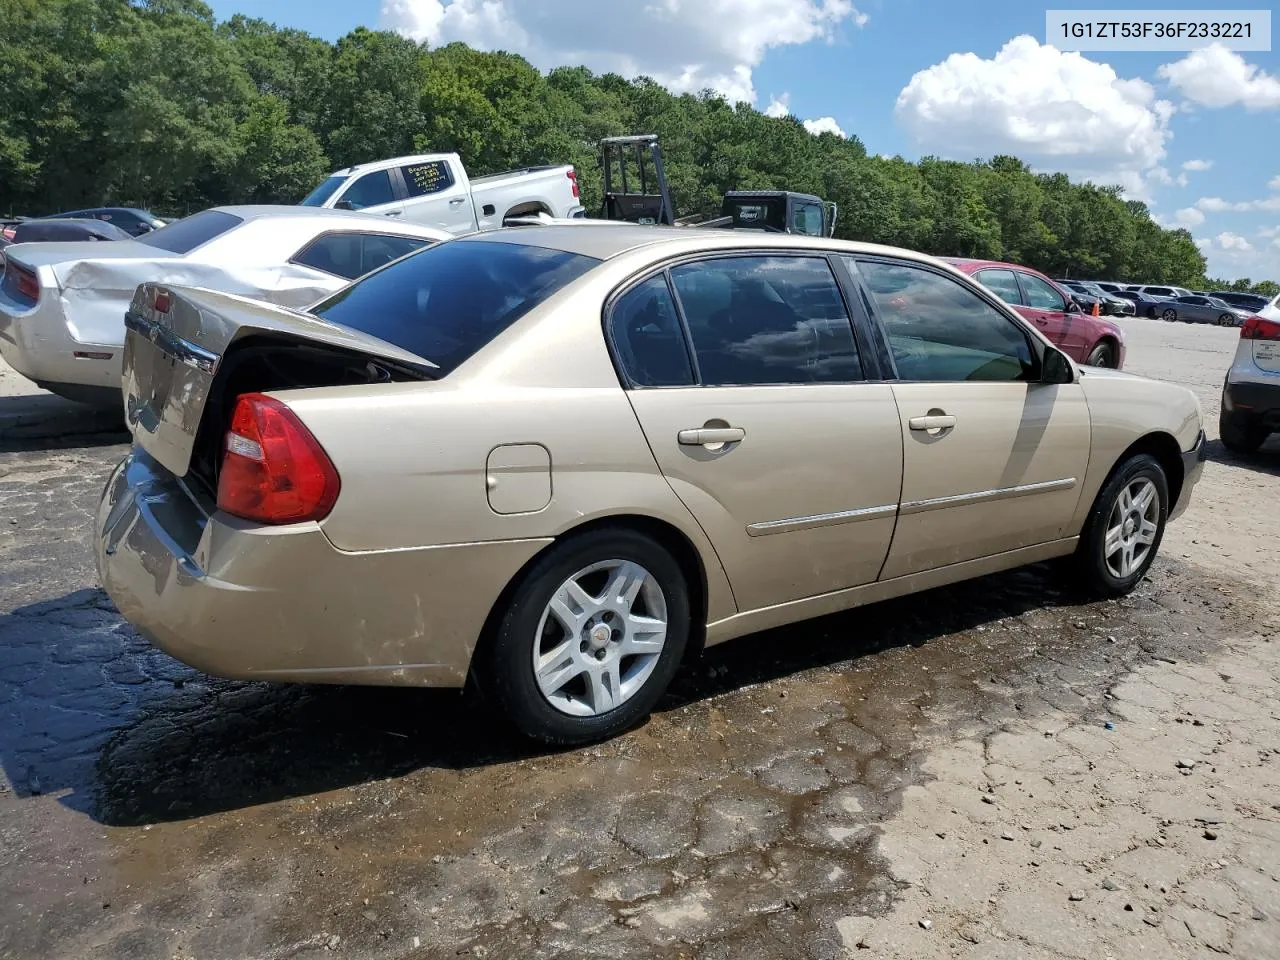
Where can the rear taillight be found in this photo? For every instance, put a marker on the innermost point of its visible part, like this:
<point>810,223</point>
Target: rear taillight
<point>26,282</point>
<point>9,233</point>
<point>273,469</point>
<point>573,182</point>
<point>1256,328</point>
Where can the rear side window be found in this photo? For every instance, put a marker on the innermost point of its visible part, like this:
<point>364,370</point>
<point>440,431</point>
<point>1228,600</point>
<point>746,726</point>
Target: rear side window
<point>352,255</point>
<point>446,302</point>
<point>647,336</point>
<point>940,330</point>
<point>1002,283</point>
<point>183,236</point>
<point>421,179</point>
<point>767,320</point>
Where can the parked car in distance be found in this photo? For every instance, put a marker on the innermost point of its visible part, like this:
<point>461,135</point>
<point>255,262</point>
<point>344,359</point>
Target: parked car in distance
<point>1097,341</point>
<point>131,220</point>
<point>62,305</point>
<point>1110,286</point>
<point>1161,292</point>
<point>1144,305</point>
<point>61,231</point>
<point>1194,309</point>
<point>790,425</point>
<point>434,189</point>
<point>1110,304</point>
<point>1251,393</point>
<point>1250,302</point>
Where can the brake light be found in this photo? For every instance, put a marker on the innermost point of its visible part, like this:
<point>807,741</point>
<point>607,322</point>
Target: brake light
<point>27,283</point>
<point>9,232</point>
<point>273,469</point>
<point>1256,328</point>
<point>161,301</point>
<point>573,182</point>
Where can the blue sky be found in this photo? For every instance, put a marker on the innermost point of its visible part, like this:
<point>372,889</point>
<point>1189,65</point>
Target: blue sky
<point>1196,135</point>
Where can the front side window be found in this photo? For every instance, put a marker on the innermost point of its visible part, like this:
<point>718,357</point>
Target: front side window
<point>1040,295</point>
<point>767,320</point>
<point>1002,283</point>
<point>421,179</point>
<point>647,336</point>
<point>939,330</point>
<point>369,191</point>
<point>448,301</point>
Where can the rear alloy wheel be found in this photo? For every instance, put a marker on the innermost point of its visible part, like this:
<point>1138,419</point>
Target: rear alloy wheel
<point>1125,527</point>
<point>1169,314</point>
<point>591,639</point>
<point>1226,320</point>
<point>1102,356</point>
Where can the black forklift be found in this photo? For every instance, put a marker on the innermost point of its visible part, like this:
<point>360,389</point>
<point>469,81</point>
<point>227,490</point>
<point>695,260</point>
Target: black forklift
<point>636,161</point>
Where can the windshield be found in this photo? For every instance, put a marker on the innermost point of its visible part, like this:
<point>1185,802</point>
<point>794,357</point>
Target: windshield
<point>183,236</point>
<point>447,301</point>
<point>756,212</point>
<point>318,196</point>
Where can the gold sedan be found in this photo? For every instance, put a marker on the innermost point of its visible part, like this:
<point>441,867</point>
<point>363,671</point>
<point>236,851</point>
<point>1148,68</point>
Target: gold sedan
<point>560,460</point>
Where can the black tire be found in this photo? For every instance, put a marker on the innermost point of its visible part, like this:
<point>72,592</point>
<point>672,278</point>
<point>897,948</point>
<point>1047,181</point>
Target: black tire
<point>504,668</point>
<point>1091,560</point>
<point>1169,315</point>
<point>1239,435</point>
<point>1103,355</point>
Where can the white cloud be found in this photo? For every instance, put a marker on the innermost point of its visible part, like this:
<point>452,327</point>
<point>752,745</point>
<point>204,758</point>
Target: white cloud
<point>686,45</point>
<point>1218,205</point>
<point>1054,109</point>
<point>1214,76</point>
<point>1190,216</point>
<point>779,106</point>
<point>1267,232</point>
<point>1196,166</point>
<point>1162,176</point>
<point>1233,241</point>
<point>824,125</point>
<point>1273,183</point>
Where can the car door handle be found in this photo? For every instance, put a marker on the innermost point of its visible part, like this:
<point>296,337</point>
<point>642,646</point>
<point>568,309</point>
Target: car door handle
<point>457,200</point>
<point>703,436</point>
<point>395,213</point>
<point>933,422</point>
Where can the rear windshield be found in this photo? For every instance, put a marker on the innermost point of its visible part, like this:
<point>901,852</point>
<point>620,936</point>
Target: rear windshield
<point>183,236</point>
<point>447,301</point>
<point>753,213</point>
<point>320,194</point>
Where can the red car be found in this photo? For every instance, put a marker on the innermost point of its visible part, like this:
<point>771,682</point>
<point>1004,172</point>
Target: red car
<point>1097,341</point>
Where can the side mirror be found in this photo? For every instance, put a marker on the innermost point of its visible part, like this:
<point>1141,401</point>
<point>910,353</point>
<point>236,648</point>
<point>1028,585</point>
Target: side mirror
<point>344,205</point>
<point>1056,367</point>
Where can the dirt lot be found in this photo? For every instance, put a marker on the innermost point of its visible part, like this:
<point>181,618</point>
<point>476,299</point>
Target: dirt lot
<point>1001,769</point>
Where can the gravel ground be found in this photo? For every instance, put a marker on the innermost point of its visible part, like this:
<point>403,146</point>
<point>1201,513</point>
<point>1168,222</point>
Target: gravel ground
<point>1001,769</point>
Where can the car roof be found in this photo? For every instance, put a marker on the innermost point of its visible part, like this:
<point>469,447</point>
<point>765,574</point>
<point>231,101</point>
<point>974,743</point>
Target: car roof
<point>971,264</point>
<point>387,164</point>
<point>605,241</point>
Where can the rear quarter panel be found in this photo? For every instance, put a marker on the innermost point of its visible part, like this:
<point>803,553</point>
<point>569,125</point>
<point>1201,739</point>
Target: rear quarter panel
<point>1123,409</point>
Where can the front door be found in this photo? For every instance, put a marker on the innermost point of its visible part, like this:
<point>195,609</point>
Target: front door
<point>993,459</point>
<point>1049,310</point>
<point>765,429</point>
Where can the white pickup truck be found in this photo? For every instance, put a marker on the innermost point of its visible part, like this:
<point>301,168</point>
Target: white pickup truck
<point>434,189</point>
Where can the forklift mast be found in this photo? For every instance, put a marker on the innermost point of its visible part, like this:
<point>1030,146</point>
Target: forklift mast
<point>652,204</point>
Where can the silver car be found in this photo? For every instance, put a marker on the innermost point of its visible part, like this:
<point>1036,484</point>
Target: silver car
<point>62,305</point>
<point>1201,309</point>
<point>1251,394</point>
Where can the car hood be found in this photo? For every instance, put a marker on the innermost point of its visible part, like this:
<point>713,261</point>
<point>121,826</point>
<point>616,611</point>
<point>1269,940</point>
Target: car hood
<point>1108,372</point>
<point>54,253</point>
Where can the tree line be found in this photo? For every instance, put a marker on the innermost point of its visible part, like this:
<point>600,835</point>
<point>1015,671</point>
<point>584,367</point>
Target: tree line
<point>155,103</point>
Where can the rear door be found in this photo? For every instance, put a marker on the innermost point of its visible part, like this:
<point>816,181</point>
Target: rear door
<point>758,402</point>
<point>993,458</point>
<point>435,196</point>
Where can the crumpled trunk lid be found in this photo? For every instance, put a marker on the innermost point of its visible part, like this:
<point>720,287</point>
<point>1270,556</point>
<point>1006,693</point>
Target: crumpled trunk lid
<point>176,338</point>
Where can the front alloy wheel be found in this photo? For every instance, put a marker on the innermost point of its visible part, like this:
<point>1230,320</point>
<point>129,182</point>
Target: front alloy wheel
<point>1169,314</point>
<point>1131,528</point>
<point>1125,527</point>
<point>1101,356</point>
<point>1226,320</point>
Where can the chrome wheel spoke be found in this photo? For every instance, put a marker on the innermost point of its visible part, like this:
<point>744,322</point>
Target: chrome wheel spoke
<point>1115,539</point>
<point>1145,496</point>
<point>603,686</point>
<point>645,635</point>
<point>625,583</point>
<point>1147,532</point>
<point>557,668</point>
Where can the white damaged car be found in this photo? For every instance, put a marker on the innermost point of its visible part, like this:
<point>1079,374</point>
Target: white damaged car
<point>62,305</point>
